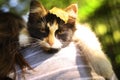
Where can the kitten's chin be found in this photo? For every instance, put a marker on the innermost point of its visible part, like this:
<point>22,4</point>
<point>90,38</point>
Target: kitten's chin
<point>51,50</point>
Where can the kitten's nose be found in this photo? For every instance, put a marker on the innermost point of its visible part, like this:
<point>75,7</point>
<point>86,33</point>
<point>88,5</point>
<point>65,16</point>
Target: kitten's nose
<point>51,36</point>
<point>50,43</point>
<point>50,40</point>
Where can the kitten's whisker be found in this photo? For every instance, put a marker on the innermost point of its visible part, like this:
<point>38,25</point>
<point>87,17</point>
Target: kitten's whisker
<point>32,41</point>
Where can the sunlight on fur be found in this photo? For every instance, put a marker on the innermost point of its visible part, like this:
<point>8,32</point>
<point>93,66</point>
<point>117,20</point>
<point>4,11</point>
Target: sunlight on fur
<point>82,34</point>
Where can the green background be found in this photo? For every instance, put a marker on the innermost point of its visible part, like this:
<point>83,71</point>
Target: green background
<point>103,16</point>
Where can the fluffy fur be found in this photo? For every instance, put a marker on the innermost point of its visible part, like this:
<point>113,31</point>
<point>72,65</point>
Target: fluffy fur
<point>88,43</point>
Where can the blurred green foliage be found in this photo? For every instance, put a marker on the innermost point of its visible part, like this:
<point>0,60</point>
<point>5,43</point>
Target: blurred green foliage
<point>102,15</point>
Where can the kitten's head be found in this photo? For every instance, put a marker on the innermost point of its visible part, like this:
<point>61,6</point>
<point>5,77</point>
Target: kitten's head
<point>54,28</point>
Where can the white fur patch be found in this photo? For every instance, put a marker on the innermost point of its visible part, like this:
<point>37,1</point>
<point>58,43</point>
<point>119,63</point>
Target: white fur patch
<point>24,38</point>
<point>85,35</point>
<point>57,44</point>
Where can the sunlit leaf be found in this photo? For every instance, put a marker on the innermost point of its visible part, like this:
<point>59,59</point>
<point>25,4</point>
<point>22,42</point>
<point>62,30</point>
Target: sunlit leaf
<point>116,36</point>
<point>101,29</point>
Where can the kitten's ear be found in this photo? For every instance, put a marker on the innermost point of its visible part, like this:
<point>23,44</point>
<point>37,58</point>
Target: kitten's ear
<point>37,7</point>
<point>72,10</point>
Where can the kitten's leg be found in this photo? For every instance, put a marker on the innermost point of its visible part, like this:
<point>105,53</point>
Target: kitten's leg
<point>87,42</point>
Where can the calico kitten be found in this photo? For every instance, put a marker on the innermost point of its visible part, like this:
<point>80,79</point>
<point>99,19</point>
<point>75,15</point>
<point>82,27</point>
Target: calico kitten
<point>10,56</point>
<point>52,32</point>
<point>56,28</point>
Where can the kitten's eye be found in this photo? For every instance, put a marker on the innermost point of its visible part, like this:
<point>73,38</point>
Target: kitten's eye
<point>61,32</point>
<point>42,30</point>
